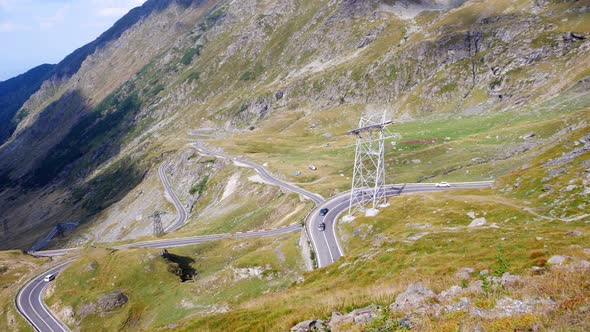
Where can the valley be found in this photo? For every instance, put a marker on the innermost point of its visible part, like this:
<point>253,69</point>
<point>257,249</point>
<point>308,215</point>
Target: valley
<point>195,143</point>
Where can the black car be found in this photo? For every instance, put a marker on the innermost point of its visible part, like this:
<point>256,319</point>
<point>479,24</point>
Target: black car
<point>324,211</point>
<point>322,226</point>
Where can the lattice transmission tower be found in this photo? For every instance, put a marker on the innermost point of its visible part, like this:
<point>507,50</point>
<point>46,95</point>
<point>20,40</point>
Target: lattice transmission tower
<point>158,228</point>
<point>368,179</point>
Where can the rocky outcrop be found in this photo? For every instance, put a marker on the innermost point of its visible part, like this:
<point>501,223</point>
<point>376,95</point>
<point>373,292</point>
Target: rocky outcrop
<point>103,305</point>
<point>420,301</point>
<point>358,317</point>
<point>111,301</point>
<point>478,222</point>
<point>415,296</point>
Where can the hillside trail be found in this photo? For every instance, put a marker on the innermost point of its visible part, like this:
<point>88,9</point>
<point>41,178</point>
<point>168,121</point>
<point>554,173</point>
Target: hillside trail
<point>508,202</point>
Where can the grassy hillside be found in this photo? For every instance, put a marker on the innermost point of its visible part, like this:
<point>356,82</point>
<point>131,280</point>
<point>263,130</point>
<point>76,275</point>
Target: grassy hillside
<point>426,239</point>
<point>284,81</point>
<point>381,262</point>
<point>223,275</point>
<point>487,90</point>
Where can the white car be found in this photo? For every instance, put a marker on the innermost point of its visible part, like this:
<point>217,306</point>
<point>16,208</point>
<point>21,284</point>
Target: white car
<point>49,277</point>
<point>442,184</point>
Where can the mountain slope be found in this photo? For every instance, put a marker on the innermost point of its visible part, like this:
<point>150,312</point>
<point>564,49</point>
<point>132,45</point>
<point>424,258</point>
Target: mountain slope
<point>13,94</point>
<point>478,90</point>
<point>72,98</point>
<point>241,65</point>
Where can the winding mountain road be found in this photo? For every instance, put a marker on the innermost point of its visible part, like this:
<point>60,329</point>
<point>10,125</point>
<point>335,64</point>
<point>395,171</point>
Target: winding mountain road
<point>317,199</point>
<point>182,214</point>
<point>29,300</point>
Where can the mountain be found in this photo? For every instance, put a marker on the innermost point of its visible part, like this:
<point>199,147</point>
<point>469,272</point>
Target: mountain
<point>14,92</point>
<point>477,91</point>
<point>67,107</point>
<point>179,65</point>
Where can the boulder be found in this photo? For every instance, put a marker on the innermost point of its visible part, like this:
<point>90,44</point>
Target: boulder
<point>509,280</point>
<point>364,315</point>
<point>87,309</point>
<point>338,318</point>
<point>414,296</point>
<point>462,305</point>
<point>478,222</point>
<point>66,314</point>
<point>304,326</point>
<point>111,301</point>
<point>91,266</point>
<point>418,236</point>
<point>556,260</point>
<point>464,273</point>
<point>419,226</point>
<point>451,293</point>
<point>508,307</point>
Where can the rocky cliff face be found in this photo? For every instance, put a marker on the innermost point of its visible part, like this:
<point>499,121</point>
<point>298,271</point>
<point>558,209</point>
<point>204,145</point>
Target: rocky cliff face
<point>112,107</point>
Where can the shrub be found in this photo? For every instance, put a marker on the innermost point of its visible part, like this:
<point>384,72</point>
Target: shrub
<point>193,76</point>
<point>189,55</point>
<point>495,83</point>
<point>502,265</point>
<point>199,187</point>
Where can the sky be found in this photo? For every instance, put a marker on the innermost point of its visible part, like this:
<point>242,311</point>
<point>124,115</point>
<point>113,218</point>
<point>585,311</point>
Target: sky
<point>33,32</point>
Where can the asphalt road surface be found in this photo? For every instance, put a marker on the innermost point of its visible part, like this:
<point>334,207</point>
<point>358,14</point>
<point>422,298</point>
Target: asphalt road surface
<point>29,302</point>
<point>182,214</point>
<point>317,199</point>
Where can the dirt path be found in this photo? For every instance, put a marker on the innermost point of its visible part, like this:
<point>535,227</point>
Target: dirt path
<point>508,202</point>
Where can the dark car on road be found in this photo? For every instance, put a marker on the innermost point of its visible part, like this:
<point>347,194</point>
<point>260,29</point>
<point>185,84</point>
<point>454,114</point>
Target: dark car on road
<point>322,226</point>
<point>324,211</point>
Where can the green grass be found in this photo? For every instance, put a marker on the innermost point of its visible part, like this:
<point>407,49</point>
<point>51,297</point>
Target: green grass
<point>200,187</point>
<point>380,262</point>
<point>467,148</point>
<point>157,297</point>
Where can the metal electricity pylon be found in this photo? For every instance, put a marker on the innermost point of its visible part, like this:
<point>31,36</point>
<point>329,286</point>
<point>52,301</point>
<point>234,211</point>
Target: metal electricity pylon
<point>158,228</point>
<point>368,179</point>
